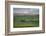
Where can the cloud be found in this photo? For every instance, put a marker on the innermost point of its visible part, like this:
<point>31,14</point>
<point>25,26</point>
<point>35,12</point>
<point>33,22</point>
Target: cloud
<point>26,10</point>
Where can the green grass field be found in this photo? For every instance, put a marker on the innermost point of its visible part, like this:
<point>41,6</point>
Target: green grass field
<point>26,21</point>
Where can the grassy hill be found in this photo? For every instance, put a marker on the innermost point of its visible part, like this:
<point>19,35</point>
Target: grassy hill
<point>26,21</point>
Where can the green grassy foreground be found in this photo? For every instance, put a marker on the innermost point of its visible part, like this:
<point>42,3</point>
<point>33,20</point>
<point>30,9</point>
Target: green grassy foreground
<point>26,21</point>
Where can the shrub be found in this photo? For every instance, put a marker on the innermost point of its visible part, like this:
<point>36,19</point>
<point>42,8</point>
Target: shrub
<point>22,20</point>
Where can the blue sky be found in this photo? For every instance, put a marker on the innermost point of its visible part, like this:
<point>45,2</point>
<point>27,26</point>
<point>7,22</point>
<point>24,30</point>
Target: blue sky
<point>29,10</point>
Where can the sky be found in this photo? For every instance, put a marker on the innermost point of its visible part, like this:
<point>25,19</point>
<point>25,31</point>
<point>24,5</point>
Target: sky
<point>26,10</point>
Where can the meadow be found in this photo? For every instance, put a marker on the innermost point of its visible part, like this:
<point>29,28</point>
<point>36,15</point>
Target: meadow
<point>26,21</point>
